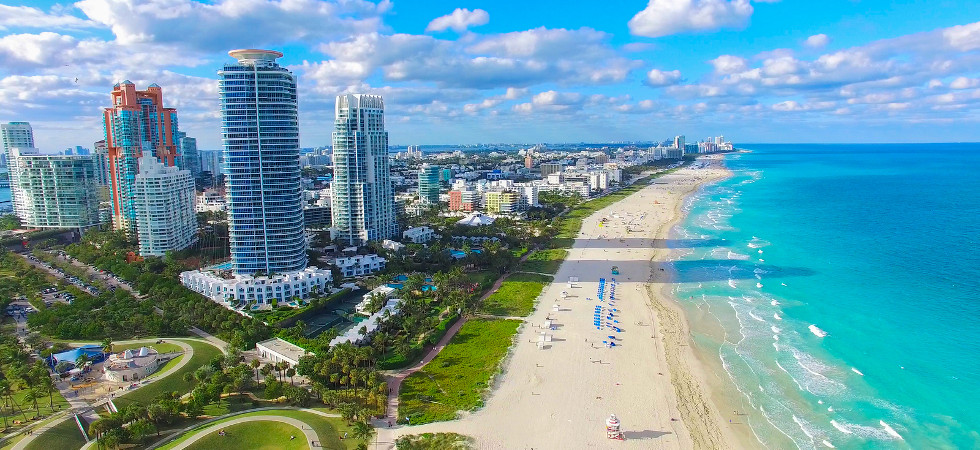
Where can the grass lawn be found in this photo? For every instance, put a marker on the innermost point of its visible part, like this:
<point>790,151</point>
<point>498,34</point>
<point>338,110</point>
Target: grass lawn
<point>458,378</point>
<point>516,295</point>
<point>203,352</point>
<point>257,435</point>
<point>484,279</point>
<point>28,406</point>
<point>434,441</point>
<point>544,261</point>
<point>64,435</point>
<point>329,429</point>
<point>165,347</point>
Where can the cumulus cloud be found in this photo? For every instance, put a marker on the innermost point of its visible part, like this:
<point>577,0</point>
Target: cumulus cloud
<point>728,64</point>
<point>229,24</point>
<point>659,78</point>
<point>817,41</point>
<point>459,20</point>
<point>667,17</point>
<point>964,83</point>
<point>963,37</point>
<point>30,17</point>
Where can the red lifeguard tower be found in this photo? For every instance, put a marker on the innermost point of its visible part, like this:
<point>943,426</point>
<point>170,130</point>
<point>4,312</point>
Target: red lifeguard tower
<point>612,428</point>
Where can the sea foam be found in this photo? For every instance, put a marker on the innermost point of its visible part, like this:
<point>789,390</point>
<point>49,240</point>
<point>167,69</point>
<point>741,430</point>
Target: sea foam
<point>817,331</point>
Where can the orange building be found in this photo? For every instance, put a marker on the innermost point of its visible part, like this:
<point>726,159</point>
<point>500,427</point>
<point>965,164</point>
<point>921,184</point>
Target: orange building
<point>136,122</point>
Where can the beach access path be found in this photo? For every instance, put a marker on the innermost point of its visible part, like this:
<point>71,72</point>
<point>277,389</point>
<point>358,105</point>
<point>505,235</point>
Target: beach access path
<point>395,378</point>
<point>559,395</point>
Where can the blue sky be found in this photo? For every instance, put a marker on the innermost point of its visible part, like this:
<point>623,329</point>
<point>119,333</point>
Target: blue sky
<point>518,71</point>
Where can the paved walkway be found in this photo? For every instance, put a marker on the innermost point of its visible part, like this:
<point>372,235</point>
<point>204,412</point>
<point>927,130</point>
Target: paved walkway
<point>311,435</point>
<point>87,410</point>
<point>394,379</point>
<point>210,338</point>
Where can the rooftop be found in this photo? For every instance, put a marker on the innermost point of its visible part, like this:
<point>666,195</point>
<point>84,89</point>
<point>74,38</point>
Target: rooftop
<point>284,348</point>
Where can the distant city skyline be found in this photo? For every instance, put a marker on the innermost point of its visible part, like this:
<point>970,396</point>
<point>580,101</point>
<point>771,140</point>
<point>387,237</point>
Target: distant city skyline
<point>757,71</point>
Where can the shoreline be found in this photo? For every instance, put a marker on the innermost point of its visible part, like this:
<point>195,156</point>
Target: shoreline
<point>695,373</point>
<point>560,396</point>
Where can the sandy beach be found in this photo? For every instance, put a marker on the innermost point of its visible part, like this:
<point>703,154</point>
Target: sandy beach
<point>559,396</point>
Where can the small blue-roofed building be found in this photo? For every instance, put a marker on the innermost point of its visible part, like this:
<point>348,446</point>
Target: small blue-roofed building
<point>92,352</point>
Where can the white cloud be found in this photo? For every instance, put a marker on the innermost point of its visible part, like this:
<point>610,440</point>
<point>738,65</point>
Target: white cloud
<point>964,83</point>
<point>26,16</point>
<point>667,17</point>
<point>459,20</point>
<point>817,41</point>
<point>963,37</point>
<point>658,78</point>
<point>728,64</point>
<point>232,24</point>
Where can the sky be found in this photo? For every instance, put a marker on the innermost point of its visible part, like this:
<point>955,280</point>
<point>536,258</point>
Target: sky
<point>517,71</point>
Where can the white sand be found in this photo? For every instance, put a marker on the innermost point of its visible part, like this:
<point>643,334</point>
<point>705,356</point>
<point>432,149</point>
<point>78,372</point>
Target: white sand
<point>560,396</point>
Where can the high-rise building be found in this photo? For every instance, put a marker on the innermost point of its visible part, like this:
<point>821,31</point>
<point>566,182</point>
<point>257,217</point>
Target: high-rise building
<point>164,204</point>
<point>136,123</point>
<point>264,201</point>
<point>189,157</point>
<point>100,156</point>
<point>260,131</point>
<point>53,191</point>
<point>679,142</point>
<point>429,184</point>
<point>15,135</point>
<point>363,203</point>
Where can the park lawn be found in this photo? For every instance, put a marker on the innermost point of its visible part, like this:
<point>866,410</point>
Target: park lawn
<point>165,347</point>
<point>60,404</point>
<point>203,352</point>
<point>329,429</point>
<point>458,378</point>
<point>516,295</point>
<point>63,436</point>
<point>259,435</point>
<point>544,261</point>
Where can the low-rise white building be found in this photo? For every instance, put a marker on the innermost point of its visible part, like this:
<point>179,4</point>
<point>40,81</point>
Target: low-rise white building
<point>418,235</point>
<point>210,201</point>
<point>358,265</point>
<point>246,291</point>
<point>279,350</point>
<point>394,246</point>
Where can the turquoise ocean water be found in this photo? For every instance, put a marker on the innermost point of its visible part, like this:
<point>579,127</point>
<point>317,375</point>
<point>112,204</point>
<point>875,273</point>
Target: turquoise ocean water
<point>839,288</point>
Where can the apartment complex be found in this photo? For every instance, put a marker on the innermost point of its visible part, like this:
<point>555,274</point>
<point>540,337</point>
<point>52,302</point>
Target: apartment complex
<point>136,123</point>
<point>15,135</point>
<point>164,206</point>
<point>53,191</point>
<point>362,206</point>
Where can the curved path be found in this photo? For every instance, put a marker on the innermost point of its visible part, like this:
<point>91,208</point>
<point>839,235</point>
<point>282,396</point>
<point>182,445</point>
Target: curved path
<point>86,409</point>
<point>311,435</point>
<point>395,378</point>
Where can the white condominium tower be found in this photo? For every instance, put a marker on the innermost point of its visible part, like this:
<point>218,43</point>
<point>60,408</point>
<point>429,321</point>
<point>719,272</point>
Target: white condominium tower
<point>362,203</point>
<point>163,201</point>
<point>53,191</point>
<point>15,135</point>
<point>260,130</point>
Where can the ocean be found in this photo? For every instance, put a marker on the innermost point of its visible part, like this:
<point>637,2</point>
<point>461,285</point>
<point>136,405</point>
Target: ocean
<point>839,288</point>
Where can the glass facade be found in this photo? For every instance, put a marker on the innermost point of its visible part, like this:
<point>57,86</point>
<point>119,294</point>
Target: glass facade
<point>260,131</point>
<point>429,184</point>
<point>362,200</point>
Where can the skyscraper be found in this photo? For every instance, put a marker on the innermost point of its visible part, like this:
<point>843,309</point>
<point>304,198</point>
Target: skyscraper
<point>136,123</point>
<point>53,191</point>
<point>429,184</point>
<point>189,158</point>
<point>260,131</point>
<point>15,135</point>
<point>363,203</point>
<point>164,204</point>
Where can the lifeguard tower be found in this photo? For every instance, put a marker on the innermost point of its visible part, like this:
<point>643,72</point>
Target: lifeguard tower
<point>612,428</point>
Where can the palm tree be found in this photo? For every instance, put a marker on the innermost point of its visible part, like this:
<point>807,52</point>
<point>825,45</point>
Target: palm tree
<point>255,366</point>
<point>47,385</point>
<point>81,360</point>
<point>290,372</point>
<point>362,430</point>
<point>106,346</point>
